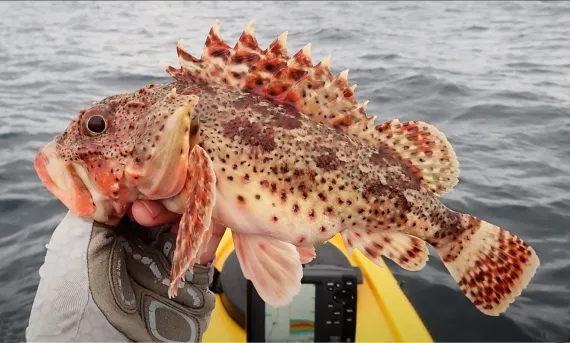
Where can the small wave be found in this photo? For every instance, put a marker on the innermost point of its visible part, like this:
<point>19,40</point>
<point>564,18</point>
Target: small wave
<point>454,89</point>
<point>530,67</point>
<point>8,135</point>
<point>385,57</point>
<point>501,113</point>
<point>430,82</point>
<point>390,57</point>
<point>484,111</point>
<point>523,65</point>
<point>510,5</point>
<point>129,78</point>
<point>334,33</point>
<point>453,10</point>
<point>477,28</point>
<point>418,80</point>
<point>522,95</point>
<point>547,84</point>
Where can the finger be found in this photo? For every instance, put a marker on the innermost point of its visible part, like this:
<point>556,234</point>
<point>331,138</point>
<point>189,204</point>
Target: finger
<point>152,213</point>
<point>174,228</point>
<point>210,251</point>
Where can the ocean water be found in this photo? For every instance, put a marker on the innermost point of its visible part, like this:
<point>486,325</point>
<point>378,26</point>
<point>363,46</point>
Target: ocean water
<point>493,76</point>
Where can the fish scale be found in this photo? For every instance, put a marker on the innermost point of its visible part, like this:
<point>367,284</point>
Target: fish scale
<point>279,151</point>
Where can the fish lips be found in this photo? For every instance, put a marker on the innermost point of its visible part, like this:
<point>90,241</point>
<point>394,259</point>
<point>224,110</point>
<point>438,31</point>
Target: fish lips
<point>61,180</point>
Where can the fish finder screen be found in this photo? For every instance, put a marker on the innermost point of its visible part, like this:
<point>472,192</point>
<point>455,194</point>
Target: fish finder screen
<point>293,323</point>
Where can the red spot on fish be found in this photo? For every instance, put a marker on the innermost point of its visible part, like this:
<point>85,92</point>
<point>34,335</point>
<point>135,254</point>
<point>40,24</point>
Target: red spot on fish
<point>312,214</point>
<point>254,82</point>
<point>276,88</point>
<point>291,74</point>
<point>415,170</point>
<point>342,121</point>
<point>244,56</point>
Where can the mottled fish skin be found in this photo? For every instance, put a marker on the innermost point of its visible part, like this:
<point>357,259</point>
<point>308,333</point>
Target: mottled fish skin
<point>296,161</point>
<point>302,180</point>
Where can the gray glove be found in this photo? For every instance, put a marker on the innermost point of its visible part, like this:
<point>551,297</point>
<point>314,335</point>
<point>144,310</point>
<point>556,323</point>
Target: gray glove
<point>129,269</point>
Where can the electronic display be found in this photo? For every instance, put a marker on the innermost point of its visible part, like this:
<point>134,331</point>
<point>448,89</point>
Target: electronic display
<point>323,311</point>
<point>295,322</point>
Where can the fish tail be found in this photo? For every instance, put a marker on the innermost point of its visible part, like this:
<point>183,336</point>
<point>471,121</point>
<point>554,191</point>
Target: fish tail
<point>491,265</point>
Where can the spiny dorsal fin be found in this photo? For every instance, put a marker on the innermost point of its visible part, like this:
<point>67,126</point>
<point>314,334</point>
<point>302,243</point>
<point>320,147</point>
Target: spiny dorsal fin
<point>272,73</point>
<point>315,92</point>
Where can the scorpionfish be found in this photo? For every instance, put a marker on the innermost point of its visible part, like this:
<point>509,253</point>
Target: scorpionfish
<point>279,151</point>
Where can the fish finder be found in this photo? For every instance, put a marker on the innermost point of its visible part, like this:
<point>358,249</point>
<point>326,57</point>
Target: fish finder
<point>323,311</point>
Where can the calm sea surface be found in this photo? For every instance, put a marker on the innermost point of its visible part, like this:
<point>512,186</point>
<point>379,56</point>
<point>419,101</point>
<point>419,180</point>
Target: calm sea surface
<point>493,76</point>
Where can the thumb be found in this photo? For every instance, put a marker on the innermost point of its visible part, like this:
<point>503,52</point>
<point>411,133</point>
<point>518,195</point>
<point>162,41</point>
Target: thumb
<point>151,213</point>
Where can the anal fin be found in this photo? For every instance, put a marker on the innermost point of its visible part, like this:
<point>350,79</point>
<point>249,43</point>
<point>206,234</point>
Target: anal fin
<point>407,251</point>
<point>273,266</point>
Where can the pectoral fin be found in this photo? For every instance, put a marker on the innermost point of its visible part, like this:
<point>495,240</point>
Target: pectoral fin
<point>194,230</point>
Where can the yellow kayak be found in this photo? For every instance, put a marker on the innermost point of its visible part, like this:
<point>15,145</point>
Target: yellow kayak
<point>384,313</point>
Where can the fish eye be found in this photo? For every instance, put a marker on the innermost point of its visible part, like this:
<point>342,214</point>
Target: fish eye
<point>96,124</point>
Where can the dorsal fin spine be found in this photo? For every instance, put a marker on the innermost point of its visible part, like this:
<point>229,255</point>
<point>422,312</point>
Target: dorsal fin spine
<point>325,62</point>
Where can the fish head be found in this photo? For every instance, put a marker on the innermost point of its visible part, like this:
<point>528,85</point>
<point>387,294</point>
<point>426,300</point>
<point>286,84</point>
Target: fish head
<point>123,148</point>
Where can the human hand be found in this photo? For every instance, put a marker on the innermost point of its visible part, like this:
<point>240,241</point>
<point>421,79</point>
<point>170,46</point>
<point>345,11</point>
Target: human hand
<point>148,252</point>
<point>114,282</point>
<point>152,213</point>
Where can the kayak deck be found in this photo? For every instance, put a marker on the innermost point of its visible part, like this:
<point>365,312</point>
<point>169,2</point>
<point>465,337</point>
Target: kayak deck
<point>384,313</point>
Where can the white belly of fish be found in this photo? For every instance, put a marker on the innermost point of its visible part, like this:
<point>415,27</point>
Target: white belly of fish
<point>262,218</point>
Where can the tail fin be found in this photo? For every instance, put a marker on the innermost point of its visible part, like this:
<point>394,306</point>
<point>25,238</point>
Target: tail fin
<point>491,265</point>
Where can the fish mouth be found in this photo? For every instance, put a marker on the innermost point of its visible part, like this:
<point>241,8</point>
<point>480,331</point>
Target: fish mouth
<point>61,179</point>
